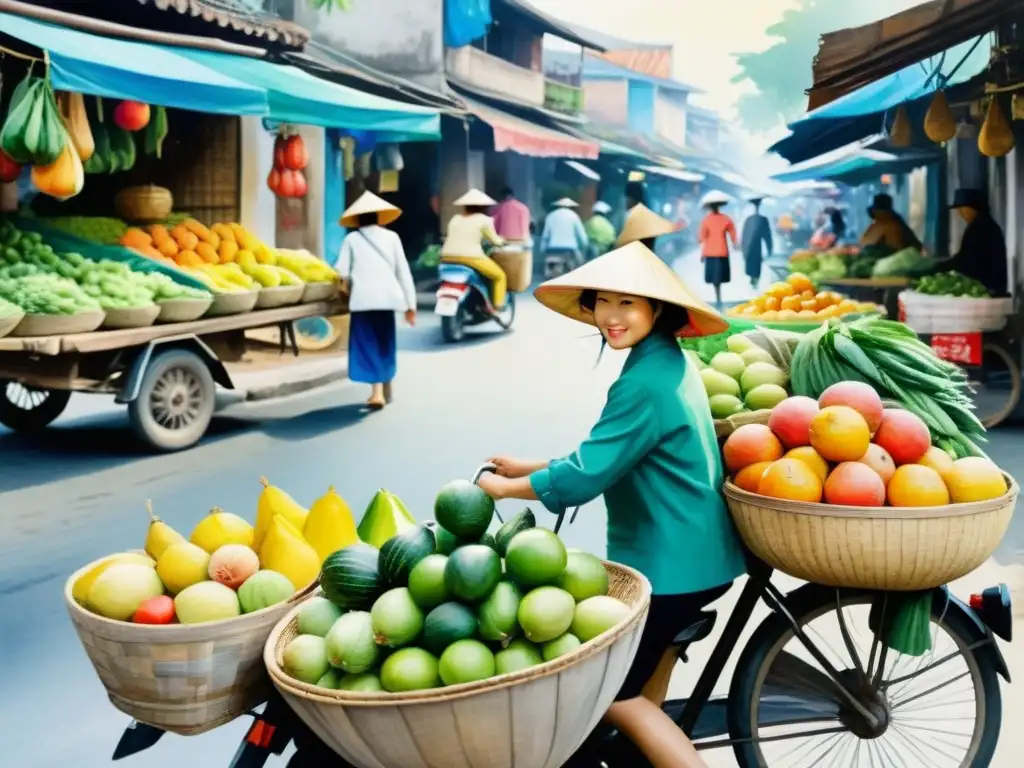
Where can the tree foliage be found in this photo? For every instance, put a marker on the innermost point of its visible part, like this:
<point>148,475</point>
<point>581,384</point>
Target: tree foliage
<point>781,73</point>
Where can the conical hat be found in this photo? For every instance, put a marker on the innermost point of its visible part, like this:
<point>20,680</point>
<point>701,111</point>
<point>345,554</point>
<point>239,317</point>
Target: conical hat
<point>642,223</point>
<point>632,269</point>
<point>715,197</point>
<point>475,197</point>
<point>370,203</point>
<point>566,202</point>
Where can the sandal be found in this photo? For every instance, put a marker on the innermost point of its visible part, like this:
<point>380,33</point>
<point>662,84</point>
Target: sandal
<point>375,405</point>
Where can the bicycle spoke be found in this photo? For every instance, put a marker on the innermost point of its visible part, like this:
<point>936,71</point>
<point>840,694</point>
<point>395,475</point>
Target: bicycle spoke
<point>847,639</point>
<point>900,703</point>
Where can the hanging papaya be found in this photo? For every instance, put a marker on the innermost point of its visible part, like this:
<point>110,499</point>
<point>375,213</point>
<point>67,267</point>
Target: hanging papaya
<point>9,170</point>
<point>62,179</point>
<point>995,139</point>
<point>274,181</point>
<point>300,184</point>
<point>900,135</point>
<point>287,185</point>
<point>939,125</point>
<point>77,121</point>
<point>132,115</point>
<point>295,156</point>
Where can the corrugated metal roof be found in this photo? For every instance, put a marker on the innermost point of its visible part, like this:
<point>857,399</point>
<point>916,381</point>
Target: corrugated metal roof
<point>240,17</point>
<point>600,69</point>
<point>656,63</point>
<point>852,58</point>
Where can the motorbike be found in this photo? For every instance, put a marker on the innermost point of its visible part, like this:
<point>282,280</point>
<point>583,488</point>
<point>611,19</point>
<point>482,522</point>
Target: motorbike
<point>464,299</point>
<point>846,705</point>
<point>559,261</point>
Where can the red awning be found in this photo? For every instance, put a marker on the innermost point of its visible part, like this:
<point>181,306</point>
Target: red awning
<point>513,134</point>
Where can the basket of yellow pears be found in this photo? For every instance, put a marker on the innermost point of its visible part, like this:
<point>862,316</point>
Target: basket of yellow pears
<point>176,630</point>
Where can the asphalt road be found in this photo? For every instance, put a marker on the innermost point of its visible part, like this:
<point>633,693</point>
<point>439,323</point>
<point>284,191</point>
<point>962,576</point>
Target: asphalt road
<point>79,492</point>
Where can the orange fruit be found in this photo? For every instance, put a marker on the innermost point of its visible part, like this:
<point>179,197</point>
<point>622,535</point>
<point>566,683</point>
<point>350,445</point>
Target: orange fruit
<point>809,304</point>
<point>974,479</point>
<point>791,302</point>
<point>769,314</point>
<point>856,485</point>
<point>830,311</point>
<point>771,302</point>
<point>781,290</point>
<point>749,477</point>
<point>811,458</point>
<point>790,479</point>
<point>808,313</point>
<point>806,295</point>
<point>750,444</point>
<point>846,306</point>
<point>786,314</point>
<point>915,485</point>
<point>800,282</point>
<point>759,302</point>
<point>937,459</point>
<point>751,311</point>
<point>823,299</point>
<point>839,433</point>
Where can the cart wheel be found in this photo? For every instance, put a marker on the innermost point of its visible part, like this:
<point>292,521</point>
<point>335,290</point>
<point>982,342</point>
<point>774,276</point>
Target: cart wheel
<point>28,409</point>
<point>996,384</point>
<point>175,402</point>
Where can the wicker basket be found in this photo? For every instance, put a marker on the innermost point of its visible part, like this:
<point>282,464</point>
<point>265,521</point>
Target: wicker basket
<point>134,317</point>
<point>319,292</point>
<point>183,310</point>
<point>59,325</point>
<point>886,548</point>
<point>725,427</point>
<point>185,679</point>
<point>8,324</point>
<point>232,303</point>
<point>146,203</point>
<point>281,296</point>
<point>518,266</point>
<point>536,717</point>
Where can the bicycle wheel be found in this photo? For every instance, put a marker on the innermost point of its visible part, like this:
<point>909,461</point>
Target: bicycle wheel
<point>940,709</point>
<point>995,385</point>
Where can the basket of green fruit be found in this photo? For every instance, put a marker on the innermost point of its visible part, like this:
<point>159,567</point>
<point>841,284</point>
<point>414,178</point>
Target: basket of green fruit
<point>451,640</point>
<point>10,316</point>
<point>53,305</point>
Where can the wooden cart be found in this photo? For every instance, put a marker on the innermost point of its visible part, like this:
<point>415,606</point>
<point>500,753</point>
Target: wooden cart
<point>166,375</point>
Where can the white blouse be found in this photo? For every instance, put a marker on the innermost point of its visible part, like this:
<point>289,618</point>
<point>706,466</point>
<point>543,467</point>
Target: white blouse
<point>380,277</point>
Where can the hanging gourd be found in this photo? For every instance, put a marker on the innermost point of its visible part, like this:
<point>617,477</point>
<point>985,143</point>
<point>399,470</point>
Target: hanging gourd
<point>939,124</point>
<point>996,136</point>
<point>1017,107</point>
<point>900,134</point>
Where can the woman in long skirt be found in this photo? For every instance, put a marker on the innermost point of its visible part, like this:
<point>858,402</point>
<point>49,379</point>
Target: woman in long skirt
<point>379,283</point>
<point>716,231</point>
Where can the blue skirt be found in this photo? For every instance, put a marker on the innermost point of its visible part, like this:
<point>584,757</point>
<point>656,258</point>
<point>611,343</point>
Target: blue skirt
<point>372,349</point>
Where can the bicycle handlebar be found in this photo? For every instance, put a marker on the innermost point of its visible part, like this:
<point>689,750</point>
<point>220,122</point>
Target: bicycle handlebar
<point>489,467</point>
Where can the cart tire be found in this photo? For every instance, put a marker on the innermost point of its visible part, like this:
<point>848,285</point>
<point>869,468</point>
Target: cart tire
<point>30,409</point>
<point>1013,371</point>
<point>175,402</point>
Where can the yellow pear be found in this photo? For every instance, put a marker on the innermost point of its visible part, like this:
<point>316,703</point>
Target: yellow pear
<point>330,525</point>
<point>182,565</point>
<point>219,528</point>
<point>273,501</point>
<point>160,535</point>
<point>285,551</point>
<point>80,589</point>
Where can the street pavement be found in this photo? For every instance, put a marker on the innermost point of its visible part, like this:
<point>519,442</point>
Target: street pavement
<point>79,492</point>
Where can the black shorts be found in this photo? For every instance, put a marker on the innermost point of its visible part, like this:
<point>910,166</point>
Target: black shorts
<point>668,616</point>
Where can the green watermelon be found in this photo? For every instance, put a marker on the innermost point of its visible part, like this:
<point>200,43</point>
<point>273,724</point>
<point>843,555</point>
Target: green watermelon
<point>385,517</point>
<point>401,553</point>
<point>464,509</point>
<point>488,541</point>
<point>446,624</point>
<point>446,541</point>
<point>498,613</point>
<point>350,577</point>
<point>472,572</point>
<point>521,522</point>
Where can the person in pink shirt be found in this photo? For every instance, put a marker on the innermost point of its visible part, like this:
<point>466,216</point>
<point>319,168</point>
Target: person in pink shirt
<point>511,217</point>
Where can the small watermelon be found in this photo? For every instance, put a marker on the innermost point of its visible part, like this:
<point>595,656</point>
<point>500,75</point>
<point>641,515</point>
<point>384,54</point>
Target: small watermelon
<point>401,553</point>
<point>464,509</point>
<point>350,577</point>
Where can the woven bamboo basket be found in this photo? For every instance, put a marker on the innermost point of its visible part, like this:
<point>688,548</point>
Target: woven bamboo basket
<point>897,549</point>
<point>145,203</point>
<point>319,292</point>
<point>8,324</point>
<point>59,325</point>
<point>185,679</point>
<point>233,303</point>
<point>134,317</point>
<point>183,310</point>
<point>536,717</point>
<point>518,266</point>
<point>281,296</point>
<point>725,427</point>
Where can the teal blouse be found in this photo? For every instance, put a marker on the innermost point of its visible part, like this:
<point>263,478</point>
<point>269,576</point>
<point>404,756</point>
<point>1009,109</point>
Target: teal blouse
<point>654,456</point>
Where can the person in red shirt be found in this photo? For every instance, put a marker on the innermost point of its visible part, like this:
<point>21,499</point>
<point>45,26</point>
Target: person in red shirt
<point>716,231</point>
<point>511,218</point>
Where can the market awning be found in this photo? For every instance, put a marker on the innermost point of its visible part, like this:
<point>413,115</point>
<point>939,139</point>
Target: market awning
<point>583,170</point>
<point>862,113</point>
<point>514,134</point>
<point>123,69</point>
<point>673,173</point>
<point>295,96</point>
<point>852,58</point>
<point>856,163</point>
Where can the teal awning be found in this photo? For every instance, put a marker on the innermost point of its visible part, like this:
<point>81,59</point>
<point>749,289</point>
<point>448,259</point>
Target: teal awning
<point>295,96</point>
<point>124,69</point>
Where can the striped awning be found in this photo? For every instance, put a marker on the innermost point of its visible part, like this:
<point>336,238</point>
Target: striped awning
<point>514,134</point>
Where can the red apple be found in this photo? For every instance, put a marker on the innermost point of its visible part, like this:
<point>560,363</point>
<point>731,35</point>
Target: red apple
<point>857,395</point>
<point>790,420</point>
<point>903,435</point>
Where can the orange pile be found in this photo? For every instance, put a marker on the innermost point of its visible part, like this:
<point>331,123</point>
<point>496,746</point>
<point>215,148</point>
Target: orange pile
<point>796,299</point>
<point>192,244</point>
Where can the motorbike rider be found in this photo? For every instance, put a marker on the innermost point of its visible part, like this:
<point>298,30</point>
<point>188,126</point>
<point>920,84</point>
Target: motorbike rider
<point>463,243</point>
<point>564,234</point>
<point>600,229</point>
<point>654,457</point>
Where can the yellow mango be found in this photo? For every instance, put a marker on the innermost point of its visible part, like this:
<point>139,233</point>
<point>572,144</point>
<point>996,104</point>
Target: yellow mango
<point>285,551</point>
<point>330,525</point>
<point>273,502</point>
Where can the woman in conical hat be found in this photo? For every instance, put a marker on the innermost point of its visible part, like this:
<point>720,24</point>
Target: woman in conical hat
<point>717,230</point>
<point>653,455</point>
<point>463,243</point>
<point>379,283</point>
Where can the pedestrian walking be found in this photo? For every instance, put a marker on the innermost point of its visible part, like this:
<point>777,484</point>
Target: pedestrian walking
<point>757,242</point>
<point>379,283</point>
<point>716,231</point>
<point>467,231</point>
<point>653,456</point>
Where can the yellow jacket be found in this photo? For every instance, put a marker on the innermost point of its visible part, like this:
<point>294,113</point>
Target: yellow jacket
<point>466,234</point>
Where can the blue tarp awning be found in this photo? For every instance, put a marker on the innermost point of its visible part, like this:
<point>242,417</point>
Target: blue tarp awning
<point>864,111</point>
<point>295,96</point>
<point>123,69</point>
<point>857,162</point>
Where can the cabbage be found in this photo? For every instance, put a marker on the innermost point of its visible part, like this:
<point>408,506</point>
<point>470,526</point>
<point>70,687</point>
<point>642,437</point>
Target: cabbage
<point>909,261</point>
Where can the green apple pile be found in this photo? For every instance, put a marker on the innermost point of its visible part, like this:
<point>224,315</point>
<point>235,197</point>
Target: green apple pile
<point>745,377</point>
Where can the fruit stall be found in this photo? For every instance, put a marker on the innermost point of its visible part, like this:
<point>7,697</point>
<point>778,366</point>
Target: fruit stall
<point>124,268</point>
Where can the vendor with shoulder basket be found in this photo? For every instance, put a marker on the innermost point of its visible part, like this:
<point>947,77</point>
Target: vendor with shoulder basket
<point>654,457</point>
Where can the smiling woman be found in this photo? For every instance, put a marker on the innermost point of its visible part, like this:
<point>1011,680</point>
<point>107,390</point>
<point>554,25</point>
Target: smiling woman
<point>654,457</point>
